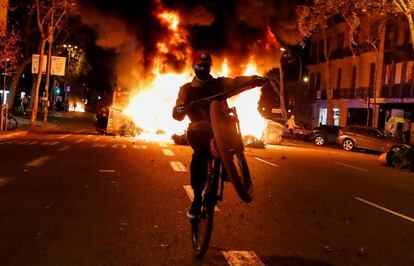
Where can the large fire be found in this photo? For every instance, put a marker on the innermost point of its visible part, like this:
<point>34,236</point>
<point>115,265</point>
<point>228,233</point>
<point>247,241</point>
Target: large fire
<point>151,106</point>
<point>76,106</point>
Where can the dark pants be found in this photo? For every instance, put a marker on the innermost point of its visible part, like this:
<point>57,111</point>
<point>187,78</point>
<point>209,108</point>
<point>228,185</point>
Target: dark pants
<point>407,136</point>
<point>199,138</point>
<point>291,134</point>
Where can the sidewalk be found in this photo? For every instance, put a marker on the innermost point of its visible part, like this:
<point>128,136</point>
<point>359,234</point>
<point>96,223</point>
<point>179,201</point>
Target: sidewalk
<point>24,128</point>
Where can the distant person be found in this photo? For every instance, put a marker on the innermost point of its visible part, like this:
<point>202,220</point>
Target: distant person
<point>59,105</point>
<point>291,124</point>
<point>74,106</point>
<point>406,131</point>
<point>25,103</point>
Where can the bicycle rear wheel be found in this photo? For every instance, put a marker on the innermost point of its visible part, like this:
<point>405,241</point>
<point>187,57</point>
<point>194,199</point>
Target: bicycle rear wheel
<point>201,230</point>
<point>231,149</point>
<point>202,227</point>
<point>11,123</point>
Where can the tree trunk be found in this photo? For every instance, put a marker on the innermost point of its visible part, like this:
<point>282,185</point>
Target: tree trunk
<point>15,81</point>
<point>329,93</point>
<point>38,81</point>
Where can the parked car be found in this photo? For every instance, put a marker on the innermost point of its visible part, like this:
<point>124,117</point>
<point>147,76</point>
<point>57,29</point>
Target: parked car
<point>363,137</point>
<point>324,134</point>
<point>300,133</point>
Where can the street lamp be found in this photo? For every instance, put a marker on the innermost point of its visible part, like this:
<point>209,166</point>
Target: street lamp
<point>305,79</point>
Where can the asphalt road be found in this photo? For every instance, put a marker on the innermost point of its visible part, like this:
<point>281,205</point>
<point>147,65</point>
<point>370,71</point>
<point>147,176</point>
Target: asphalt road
<point>79,199</point>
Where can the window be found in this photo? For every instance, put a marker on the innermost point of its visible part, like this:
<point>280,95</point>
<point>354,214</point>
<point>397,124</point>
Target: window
<point>321,52</point>
<point>322,116</point>
<point>360,130</point>
<point>336,116</point>
<point>354,73</point>
<point>318,81</point>
<point>311,81</point>
<point>338,79</point>
<point>374,133</point>
<point>371,80</point>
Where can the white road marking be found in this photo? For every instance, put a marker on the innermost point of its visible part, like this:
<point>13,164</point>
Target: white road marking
<point>98,146</point>
<point>163,145</point>
<point>50,143</point>
<point>38,162</point>
<point>106,171</point>
<point>79,131</point>
<point>80,140</point>
<point>385,209</point>
<point>114,146</point>
<point>242,258</point>
<point>33,142</point>
<point>178,166</point>
<point>23,142</point>
<point>141,147</point>
<point>190,194</point>
<point>168,152</point>
<point>88,136</point>
<point>64,136</point>
<point>64,148</point>
<point>96,139</point>
<point>5,180</point>
<point>124,146</point>
<point>352,167</point>
<point>266,162</point>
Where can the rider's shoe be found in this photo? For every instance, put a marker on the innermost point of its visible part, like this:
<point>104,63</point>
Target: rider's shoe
<point>194,211</point>
<point>225,176</point>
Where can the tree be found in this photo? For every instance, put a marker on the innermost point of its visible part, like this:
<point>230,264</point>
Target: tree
<point>406,7</point>
<point>50,15</point>
<point>10,53</point>
<point>316,19</point>
<point>21,16</point>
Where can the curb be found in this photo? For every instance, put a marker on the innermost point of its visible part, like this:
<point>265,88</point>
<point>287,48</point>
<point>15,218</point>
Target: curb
<point>15,134</point>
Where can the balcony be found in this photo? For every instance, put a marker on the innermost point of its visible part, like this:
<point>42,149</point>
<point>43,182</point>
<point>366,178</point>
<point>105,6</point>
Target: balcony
<point>397,91</point>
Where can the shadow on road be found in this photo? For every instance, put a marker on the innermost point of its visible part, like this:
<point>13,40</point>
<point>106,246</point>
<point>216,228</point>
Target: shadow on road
<point>292,261</point>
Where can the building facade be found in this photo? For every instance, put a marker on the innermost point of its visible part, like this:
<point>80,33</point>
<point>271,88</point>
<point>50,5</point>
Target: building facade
<point>362,85</point>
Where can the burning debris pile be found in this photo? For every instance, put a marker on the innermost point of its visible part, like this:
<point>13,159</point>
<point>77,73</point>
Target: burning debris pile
<point>153,48</point>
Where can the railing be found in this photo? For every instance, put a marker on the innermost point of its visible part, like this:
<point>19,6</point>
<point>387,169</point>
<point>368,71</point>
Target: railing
<point>397,91</point>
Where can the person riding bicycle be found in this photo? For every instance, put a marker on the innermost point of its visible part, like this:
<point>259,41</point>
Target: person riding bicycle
<point>199,132</point>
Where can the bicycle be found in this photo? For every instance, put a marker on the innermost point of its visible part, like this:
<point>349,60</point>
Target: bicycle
<point>226,146</point>
<point>10,123</point>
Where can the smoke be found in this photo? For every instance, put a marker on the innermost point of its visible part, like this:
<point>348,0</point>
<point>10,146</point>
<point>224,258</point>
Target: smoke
<point>235,29</point>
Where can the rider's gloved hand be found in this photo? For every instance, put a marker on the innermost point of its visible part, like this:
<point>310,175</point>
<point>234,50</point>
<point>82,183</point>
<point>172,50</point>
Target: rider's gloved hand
<point>179,109</point>
<point>179,112</point>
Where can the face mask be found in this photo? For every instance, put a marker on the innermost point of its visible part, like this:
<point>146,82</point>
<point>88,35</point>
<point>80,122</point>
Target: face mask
<point>202,72</point>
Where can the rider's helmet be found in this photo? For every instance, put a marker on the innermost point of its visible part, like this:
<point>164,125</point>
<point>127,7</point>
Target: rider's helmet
<point>202,57</point>
<point>202,64</point>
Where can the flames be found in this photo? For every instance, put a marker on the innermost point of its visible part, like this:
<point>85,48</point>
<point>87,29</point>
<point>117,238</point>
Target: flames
<point>151,106</point>
<point>80,106</point>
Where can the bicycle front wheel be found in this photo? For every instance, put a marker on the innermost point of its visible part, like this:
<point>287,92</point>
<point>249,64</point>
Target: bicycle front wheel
<point>231,148</point>
<point>11,123</point>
